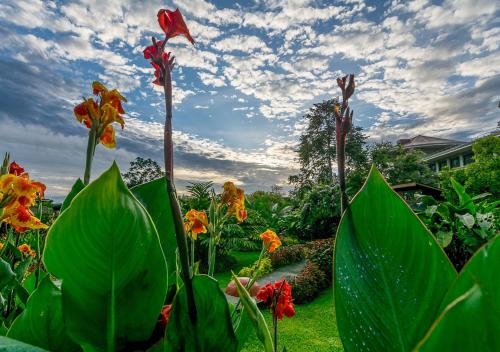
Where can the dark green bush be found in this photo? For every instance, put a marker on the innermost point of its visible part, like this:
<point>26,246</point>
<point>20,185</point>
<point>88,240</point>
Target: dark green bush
<point>288,255</point>
<point>308,283</point>
<point>321,254</point>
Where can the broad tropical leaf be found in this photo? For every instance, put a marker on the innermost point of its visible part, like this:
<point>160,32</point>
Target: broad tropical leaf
<point>41,323</point>
<point>471,320</point>
<point>106,251</point>
<point>213,330</point>
<point>153,195</point>
<point>75,189</point>
<point>390,274</point>
<point>10,345</point>
<point>6,274</point>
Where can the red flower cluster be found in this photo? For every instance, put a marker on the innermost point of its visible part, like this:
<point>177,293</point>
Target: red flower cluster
<point>173,25</point>
<point>279,298</point>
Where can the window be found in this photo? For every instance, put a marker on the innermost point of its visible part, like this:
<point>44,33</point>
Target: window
<point>433,166</point>
<point>455,162</point>
<point>468,158</point>
<point>443,164</point>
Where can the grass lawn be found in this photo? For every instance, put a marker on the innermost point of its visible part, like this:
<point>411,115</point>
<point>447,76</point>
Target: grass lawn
<point>312,329</point>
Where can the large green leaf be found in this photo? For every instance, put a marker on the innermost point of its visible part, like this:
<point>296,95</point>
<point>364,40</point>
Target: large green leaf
<point>10,345</point>
<point>75,189</point>
<point>6,273</point>
<point>213,330</point>
<point>106,250</point>
<point>41,323</point>
<point>153,195</point>
<point>471,320</point>
<point>390,275</point>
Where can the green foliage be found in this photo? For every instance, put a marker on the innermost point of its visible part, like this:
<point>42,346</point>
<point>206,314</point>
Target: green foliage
<point>142,171</point>
<point>258,269</point>
<point>199,195</point>
<point>288,255</point>
<point>462,223</point>
<point>482,176</point>
<point>317,146</point>
<point>41,323</point>
<point>316,215</point>
<point>106,251</point>
<point>387,268</point>
<point>308,283</point>
<point>212,331</point>
<point>400,165</point>
<point>269,206</point>
<point>153,196</point>
<point>472,307</point>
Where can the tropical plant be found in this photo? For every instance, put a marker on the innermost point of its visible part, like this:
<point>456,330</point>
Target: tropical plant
<point>142,171</point>
<point>387,267</point>
<point>462,223</point>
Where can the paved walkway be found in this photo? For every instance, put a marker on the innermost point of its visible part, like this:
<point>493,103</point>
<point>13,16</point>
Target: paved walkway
<point>284,271</point>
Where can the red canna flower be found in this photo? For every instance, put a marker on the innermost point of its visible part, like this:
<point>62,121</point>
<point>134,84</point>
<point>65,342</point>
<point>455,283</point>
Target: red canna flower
<point>279,298</point>
<point>15,169</point>
<point>173,24</point>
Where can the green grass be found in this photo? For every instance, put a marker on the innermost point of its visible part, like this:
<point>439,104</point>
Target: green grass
<point>312,329</point>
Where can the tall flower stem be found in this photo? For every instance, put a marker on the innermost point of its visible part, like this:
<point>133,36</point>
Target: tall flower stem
<point>341,165</point>
<point>37,272</point>
<point>275,330</point>
<point>180,234</point>
<point>91,144</point>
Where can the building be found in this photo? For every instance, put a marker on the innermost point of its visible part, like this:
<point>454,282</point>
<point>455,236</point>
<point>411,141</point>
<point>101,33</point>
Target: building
<point>441,152</point>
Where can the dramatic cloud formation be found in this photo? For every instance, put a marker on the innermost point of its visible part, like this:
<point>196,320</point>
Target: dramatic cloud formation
<point>423,67</point>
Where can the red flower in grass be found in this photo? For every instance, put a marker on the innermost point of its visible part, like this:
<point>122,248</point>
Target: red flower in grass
<point>279,298</point>
<point>173,24</point>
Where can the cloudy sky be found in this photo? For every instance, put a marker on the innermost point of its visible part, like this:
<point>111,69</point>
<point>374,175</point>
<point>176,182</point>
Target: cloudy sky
<point>422,67</point>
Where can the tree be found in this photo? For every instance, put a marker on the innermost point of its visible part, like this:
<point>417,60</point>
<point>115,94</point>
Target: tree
<point>400,165</point>
<point>317,146</point>
<point>141,171</point>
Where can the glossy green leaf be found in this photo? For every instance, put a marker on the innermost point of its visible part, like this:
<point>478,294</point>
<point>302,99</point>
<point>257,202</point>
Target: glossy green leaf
<point>471,319</point>
<point>444,238</point>
<point>153,195</point>
<point>10,345</point>
<point>390,274</point>
<point>6,273</point>
<point>213,330</point>
<point>253,312</point>
<point>75,189</point>
<point>106,251</point>
<point>41,323</point>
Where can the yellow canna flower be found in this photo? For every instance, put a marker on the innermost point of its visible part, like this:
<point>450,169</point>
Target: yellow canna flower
<point>197,222</point>
<point>271,240</point>
<point>235,199</point>
<point>109,109</point>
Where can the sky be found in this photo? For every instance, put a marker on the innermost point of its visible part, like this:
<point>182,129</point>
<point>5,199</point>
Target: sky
<point>240,93</point>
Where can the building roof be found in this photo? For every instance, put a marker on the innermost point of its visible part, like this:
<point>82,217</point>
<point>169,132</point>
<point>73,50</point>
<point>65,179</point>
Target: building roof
<point>427,141</point>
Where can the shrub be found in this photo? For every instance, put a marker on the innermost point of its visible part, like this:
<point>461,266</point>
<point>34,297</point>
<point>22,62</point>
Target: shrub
<point>288,255</point>
<point>264,268</point>
<point>308,283</point>
<point>321,254</point>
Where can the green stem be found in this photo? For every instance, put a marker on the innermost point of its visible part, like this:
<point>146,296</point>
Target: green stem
<point>275,327</point>
<point>37,272</point>
<point>91,144</point>
<point>180,234</point>
<point>192,256</point>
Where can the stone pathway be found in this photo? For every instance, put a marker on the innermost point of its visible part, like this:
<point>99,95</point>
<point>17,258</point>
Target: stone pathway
<point>284,271</point>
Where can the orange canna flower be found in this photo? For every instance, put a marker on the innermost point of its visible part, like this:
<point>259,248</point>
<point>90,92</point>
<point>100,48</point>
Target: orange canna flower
<point>197,222</point>
<point>24,248</point>
<point>1,246</point>
<point>17,194</point>
<point>235,199</point>
<point>108,110</point>
<point>271,240</point>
